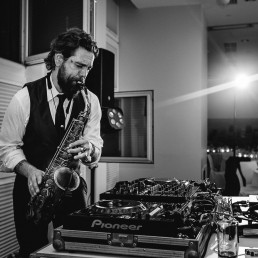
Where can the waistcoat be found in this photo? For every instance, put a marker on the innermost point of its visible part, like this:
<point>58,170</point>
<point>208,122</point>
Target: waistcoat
<point>41,139</point>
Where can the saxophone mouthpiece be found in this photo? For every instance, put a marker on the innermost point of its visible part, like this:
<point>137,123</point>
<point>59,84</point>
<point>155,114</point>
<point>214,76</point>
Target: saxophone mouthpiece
<point>80,84</point>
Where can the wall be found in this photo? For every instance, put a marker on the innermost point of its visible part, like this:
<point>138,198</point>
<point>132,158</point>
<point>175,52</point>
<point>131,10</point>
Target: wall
<point>164,49</point>
<point>11,72</point>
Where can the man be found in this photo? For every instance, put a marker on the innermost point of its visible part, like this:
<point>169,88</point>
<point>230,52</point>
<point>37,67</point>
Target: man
<point>29,139</point>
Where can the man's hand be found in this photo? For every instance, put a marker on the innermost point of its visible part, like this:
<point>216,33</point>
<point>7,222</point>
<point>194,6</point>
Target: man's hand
<point>34,180</point>
<point>33,174</point>
<point>81,149</point>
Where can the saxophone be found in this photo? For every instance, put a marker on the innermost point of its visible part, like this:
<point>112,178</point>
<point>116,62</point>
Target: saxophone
<point>60,175</point>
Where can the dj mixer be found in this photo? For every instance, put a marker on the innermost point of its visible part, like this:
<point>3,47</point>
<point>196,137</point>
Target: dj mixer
<point>147,217</point>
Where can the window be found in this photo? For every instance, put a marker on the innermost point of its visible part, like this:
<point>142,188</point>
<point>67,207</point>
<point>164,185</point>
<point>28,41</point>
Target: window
<point>45,19</point>
<point>134,143</point>
<point>112,29</point>
<point>113,16</point>
<point>10,30</point>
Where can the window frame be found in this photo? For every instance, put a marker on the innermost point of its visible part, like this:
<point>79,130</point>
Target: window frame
<point>149,159</point>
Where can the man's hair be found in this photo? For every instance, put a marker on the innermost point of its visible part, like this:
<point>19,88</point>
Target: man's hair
<point>67,42</point>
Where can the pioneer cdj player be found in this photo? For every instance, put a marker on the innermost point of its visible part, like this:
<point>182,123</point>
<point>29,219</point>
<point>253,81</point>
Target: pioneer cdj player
<point>147,217</point>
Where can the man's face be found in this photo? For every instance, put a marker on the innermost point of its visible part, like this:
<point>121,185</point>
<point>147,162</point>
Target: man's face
<point>74,69</point>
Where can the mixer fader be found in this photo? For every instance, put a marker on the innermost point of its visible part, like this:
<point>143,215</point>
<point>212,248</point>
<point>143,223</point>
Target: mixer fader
<point>153,189</point>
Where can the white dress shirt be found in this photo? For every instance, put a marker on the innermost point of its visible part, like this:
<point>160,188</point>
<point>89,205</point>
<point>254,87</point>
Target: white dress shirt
<point>17,116</point>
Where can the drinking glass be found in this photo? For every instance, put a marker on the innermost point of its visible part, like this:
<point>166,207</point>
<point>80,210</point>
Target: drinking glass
<point>227,236</point>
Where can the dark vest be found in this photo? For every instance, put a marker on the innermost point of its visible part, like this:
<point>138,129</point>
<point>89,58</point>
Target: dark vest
<point>41,139</point>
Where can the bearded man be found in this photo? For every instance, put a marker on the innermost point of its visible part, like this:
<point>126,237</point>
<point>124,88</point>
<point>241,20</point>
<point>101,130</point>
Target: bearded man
<point>32,131</point>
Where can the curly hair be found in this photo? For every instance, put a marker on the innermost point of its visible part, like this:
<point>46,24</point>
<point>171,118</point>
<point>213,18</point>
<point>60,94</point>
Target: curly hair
<point>67,42</point>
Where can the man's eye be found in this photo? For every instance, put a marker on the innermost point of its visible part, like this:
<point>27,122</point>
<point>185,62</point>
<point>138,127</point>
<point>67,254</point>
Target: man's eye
<point>79,66</point>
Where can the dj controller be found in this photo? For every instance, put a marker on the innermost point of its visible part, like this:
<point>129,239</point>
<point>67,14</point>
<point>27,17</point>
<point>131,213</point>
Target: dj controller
<point>147,217</point>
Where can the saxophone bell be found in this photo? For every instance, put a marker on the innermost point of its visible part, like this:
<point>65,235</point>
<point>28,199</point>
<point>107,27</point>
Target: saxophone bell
<point>66,179</point>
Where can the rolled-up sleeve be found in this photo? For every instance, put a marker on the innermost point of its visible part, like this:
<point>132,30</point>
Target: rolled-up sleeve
<point>12,131</point>
<point>92,128</point>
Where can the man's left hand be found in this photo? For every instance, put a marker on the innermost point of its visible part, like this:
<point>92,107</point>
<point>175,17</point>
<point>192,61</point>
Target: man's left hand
<point>81,149</point>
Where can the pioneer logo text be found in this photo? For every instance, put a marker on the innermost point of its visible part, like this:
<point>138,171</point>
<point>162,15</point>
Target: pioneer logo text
<point>97,223</point>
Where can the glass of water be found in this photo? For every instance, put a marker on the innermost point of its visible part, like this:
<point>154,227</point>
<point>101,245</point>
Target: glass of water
<point>227,235</point>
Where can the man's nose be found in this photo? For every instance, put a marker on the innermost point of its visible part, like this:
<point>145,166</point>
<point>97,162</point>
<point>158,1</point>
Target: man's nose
<point>83,73</point>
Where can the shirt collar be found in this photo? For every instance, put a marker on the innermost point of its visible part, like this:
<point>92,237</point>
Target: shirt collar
<point>52,92</point>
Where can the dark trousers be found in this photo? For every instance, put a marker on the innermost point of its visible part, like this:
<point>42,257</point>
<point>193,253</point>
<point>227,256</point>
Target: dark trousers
<point>31,237</point>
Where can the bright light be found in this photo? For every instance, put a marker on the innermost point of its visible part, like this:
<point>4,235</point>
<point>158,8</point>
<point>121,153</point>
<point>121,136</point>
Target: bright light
<point>241,81</point>
<point>201,93</point>
<point>223,2</point>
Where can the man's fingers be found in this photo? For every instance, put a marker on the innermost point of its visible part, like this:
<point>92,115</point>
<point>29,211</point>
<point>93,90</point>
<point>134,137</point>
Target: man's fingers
<point>75,150</point>
<point>34,181</point>
<point>32,189</point>
<point>39,180</point>
<point>76,143</point>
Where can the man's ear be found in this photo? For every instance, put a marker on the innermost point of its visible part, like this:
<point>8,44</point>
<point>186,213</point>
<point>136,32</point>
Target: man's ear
<point>59,59</point>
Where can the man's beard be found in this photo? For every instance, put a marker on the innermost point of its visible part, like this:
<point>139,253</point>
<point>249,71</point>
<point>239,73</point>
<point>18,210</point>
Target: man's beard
<point>67,84</point>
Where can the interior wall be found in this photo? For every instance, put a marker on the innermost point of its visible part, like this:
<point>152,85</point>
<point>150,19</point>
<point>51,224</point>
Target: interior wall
<point>164,49</point>
<point>11,72</point>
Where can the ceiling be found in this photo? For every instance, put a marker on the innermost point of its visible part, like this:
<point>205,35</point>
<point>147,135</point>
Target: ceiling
<point>221,14</point>
<point>228,21</point>
<point>217,12</point>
